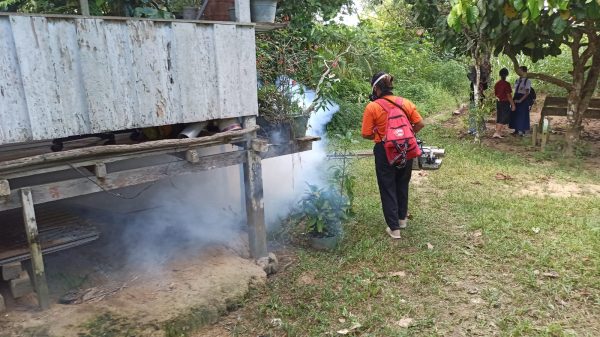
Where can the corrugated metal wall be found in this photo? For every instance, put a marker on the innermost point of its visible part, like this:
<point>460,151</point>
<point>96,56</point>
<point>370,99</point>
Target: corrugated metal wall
<point>62,76</point>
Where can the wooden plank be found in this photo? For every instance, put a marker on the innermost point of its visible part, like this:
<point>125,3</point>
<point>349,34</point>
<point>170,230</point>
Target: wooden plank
<point>21,285</point>
<point>242,10</point>
<point>82,186</point>
<point>534,134</point>
<point>13,107</point>
<point>228,76</point>
<point>11,271</point>
<point>556,111</point>
<point>63,56</point>
<point>150,67</point>
<point>37,261</point>
<point>247,83</point>
<point>102,50</point>
<point>561,102</point>
<point>74,76</point>
<point>555,101</point>
<point>193,59</point>
<point>254,197</point>
<point>37,76</point>
<point>285,149</point>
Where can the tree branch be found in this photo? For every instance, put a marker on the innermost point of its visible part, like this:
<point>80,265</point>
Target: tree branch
<point>591,82</point>
<point>313,104</point>
<point>539,76</point>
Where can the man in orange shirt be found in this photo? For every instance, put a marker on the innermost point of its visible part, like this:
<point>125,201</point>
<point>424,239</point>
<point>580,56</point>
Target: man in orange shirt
<point>393,182</point>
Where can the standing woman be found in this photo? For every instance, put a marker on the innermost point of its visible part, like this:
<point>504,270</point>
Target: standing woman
<point>393,182</point>
<point>520,118</point>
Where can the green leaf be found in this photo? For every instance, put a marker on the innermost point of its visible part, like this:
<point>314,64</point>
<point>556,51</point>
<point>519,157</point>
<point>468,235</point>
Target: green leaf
<point>453,20</point>
<point>472,15</point>
<point>534,8</point>
<point>519,5</point>
<point>559,25</point>
<point>514,25</point>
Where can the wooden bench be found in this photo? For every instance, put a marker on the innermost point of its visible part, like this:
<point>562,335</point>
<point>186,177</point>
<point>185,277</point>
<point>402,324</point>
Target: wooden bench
<point>557,106</point>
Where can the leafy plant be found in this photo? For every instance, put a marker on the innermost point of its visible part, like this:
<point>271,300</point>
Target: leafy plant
<point>277,104</point>
<point>341,177</point>
<point>322,210</point>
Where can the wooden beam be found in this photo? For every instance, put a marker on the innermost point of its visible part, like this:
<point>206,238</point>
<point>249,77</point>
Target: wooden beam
<point>86,185</point>
<point>253,191</point>
<point>37,261</point>
<point>44,168</point>
<point>553,101</point>
<point>260,145</point>
<point>298,145</point>
<point>534,134</point>
<point>562,111</point>
<point>78,155</point>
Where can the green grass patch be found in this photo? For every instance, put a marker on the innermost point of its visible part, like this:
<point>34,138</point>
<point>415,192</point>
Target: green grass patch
<point>481,256</point>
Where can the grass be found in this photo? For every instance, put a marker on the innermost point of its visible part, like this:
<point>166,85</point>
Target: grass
<point>502,263</point>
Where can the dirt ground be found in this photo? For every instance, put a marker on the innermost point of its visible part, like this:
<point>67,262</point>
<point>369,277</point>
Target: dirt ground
<point>193,285</point>
<point>590,136</point>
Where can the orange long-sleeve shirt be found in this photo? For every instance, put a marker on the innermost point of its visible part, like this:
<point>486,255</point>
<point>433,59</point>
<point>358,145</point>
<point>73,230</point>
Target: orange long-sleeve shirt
<point>375,118</point>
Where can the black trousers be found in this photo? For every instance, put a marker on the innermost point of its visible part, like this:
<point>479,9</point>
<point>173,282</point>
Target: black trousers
<point>393,187</point>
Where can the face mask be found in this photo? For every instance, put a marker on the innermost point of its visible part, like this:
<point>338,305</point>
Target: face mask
<point>373,96</point>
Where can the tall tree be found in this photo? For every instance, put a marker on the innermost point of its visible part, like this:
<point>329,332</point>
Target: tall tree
<point>538,29</point>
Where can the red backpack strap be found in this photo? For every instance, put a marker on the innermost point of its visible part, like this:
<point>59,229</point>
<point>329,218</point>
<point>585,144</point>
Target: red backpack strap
<point>388,105</point>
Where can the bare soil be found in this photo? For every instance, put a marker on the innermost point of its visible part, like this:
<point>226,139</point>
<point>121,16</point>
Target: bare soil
<point>193,286</point>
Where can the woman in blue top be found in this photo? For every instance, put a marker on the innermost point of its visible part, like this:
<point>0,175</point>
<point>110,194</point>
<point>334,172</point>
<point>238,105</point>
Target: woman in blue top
<point>519,119</point>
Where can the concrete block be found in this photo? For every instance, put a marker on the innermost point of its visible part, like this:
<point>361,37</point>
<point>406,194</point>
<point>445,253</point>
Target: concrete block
<point>11,271</point>
<point>21,286</point>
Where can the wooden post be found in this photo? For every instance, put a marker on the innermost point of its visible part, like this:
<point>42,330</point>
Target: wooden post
<point>255,208</point>
<point>100,170</point>
<point>84,6</point>
<point>192,156</point>
<point>37,261</point>
<point>4,188</point>
<point>534,134</point>
<point>545,132</point>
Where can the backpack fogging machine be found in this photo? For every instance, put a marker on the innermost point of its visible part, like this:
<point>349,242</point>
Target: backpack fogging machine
<point>430,159</point>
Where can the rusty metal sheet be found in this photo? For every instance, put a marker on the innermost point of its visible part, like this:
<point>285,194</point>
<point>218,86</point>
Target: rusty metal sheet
<point>69,76</point>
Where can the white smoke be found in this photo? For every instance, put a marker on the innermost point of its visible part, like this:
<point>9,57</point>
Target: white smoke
<point>285,177</point>
<point>208,207</point>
